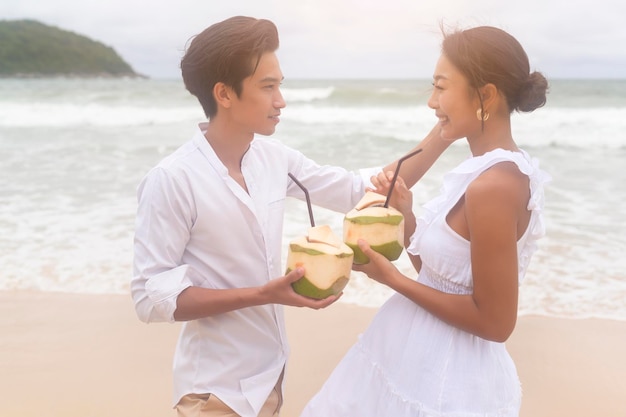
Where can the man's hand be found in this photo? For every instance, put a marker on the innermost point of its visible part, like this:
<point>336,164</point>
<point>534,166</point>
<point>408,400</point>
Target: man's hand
<point>280,291</point>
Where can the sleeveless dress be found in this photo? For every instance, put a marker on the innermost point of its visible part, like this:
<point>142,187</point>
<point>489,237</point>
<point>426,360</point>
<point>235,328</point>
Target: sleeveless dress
<point>409,363</point>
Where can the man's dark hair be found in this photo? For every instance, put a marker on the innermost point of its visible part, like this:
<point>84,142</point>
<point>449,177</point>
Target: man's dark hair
<point>227,52</point>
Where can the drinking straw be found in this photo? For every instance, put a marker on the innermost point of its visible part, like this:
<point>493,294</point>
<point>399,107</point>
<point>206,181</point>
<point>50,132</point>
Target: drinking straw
<point>306,194</point>
<point>395,175</point>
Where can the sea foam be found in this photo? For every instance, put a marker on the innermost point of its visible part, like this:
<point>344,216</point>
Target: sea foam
<point>73,152</point>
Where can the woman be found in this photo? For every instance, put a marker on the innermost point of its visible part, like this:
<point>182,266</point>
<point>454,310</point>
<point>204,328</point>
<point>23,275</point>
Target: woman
<point>436,347</point>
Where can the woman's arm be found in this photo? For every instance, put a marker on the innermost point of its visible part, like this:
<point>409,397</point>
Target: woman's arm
<point>494,205</point>
<point>414,168</point>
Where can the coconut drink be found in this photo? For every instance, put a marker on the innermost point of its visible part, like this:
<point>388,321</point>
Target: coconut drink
<point>326,259</point>
<point>382,227</point>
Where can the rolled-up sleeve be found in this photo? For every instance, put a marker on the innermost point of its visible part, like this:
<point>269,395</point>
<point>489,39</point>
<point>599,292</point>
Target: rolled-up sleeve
<point>155,300</point>
<point>162,230</point>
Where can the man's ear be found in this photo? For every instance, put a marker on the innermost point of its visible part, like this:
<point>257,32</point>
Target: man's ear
<point>222,94</point>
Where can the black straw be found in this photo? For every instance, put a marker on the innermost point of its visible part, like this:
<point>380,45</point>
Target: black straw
<point>395,175</point>
<point>306,194</point>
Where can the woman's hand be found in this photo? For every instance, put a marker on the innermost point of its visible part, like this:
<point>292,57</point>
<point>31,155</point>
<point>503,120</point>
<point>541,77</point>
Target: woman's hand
<point>401,197</point>
<point>378,268</point>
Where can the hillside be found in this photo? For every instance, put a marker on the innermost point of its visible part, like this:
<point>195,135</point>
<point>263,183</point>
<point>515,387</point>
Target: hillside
<point>30,48</point>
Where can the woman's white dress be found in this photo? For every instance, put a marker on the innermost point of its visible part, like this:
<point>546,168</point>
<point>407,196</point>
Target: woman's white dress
<point>408,363</point>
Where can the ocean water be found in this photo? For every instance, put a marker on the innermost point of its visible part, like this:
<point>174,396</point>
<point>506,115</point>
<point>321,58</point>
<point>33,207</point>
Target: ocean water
<point>74,150</point>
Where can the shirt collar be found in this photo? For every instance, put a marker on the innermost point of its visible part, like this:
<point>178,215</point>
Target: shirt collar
<point>200,141</point>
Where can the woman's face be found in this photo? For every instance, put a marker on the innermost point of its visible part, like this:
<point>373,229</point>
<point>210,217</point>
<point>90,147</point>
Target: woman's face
<point>454,101</point>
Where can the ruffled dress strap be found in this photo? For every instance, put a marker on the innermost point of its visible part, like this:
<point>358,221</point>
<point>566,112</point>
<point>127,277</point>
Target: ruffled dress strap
<point>456,182</point>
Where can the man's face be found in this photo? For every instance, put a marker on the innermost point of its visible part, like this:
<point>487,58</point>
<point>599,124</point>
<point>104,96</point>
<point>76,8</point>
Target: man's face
<point>257,109</point>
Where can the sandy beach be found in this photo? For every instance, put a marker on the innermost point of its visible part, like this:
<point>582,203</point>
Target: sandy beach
<point>87,355</point>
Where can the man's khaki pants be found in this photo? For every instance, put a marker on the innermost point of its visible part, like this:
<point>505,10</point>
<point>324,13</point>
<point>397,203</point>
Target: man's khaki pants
<point>207,405</point>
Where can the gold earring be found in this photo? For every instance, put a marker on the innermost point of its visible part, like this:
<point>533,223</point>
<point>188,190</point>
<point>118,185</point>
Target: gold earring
<point>482,115</point>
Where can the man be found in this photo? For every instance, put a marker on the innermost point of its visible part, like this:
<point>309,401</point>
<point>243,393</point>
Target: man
<point>209,227</point>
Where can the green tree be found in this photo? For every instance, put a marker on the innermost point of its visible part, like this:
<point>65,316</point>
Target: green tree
<point>31,48</point>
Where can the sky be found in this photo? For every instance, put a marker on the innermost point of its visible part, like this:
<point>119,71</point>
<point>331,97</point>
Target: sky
<point>323,39</point>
